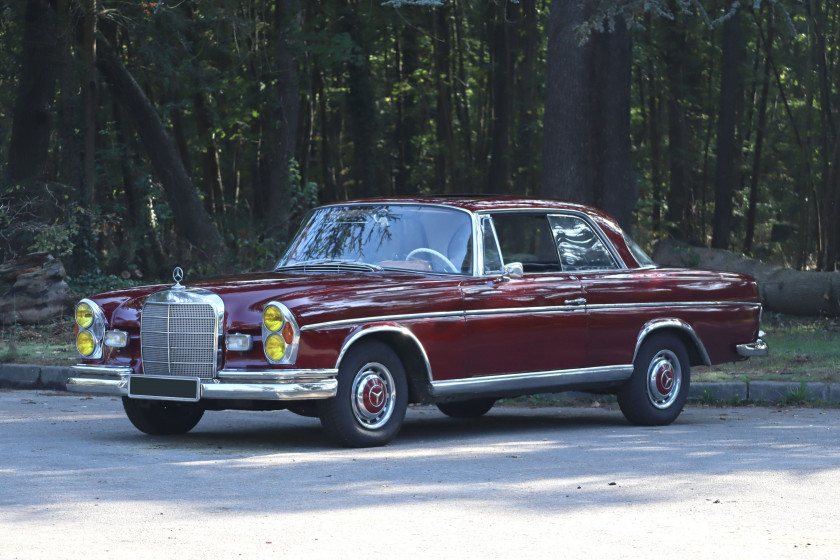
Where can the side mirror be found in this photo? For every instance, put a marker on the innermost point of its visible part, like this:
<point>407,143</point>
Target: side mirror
<point>513,270</point>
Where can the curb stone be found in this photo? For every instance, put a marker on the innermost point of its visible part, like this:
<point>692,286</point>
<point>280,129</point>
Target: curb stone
<point>26,376</point>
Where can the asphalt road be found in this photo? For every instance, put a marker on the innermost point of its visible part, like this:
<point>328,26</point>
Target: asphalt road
<point>78,481</point>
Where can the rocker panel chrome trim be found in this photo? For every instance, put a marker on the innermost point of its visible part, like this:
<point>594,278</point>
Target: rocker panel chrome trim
<point>533,381</point>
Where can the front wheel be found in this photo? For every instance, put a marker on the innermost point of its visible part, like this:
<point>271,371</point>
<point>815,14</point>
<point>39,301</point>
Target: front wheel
<point>162,418</point>
<point>372,396</point>
<point>658,388</point>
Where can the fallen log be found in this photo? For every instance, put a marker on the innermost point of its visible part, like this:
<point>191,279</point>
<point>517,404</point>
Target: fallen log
<point>792,292</point>
<point>33,290</point>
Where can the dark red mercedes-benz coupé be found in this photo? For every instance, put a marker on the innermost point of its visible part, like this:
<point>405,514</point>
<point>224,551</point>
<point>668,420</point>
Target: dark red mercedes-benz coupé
<point>452,301</point>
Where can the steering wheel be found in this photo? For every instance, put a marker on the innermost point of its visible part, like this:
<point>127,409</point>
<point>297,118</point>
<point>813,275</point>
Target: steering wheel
<point>449,267</point>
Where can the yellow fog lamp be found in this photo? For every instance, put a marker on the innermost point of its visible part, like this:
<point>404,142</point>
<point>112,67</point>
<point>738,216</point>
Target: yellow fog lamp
<point>85,343</point>
<point>280,334</point>
<point>84,315</point>
<point>275,347</point>
<point>273,318</point>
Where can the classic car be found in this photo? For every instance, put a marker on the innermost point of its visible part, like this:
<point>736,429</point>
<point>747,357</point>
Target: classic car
<point>455,301</point>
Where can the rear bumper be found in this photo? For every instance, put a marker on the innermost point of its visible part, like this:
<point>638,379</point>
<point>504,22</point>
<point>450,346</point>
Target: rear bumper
<point>271,385</point>
<point>753,349</point>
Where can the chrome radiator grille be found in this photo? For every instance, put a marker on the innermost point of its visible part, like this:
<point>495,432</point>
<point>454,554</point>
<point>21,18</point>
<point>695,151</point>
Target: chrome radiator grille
<point>179,339</point>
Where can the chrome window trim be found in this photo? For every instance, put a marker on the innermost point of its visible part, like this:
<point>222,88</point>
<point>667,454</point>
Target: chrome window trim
<point>470,214</point>
<point>557,212</point>
<point>529,381</point>
<point>522,310</point>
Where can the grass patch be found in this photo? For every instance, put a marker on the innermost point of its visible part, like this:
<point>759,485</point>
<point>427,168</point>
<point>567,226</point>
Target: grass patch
<point>801,350</point>
<point>49,344</point>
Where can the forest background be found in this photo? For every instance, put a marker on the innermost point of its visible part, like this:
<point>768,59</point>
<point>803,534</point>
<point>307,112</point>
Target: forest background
<point>138,135</point>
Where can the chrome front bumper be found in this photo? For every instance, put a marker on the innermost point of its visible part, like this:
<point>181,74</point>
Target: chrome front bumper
<point>270,385</point>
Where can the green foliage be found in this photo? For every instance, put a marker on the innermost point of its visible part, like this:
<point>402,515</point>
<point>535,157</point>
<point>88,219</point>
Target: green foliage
<point>212,71</point>
<point>94,282</point>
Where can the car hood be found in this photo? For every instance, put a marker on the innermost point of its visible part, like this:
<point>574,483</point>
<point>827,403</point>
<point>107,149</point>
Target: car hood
<point>313,297</point>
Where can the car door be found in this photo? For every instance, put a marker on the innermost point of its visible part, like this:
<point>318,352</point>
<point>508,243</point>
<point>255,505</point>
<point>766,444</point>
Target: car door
<point>536,323</point>
<point>609,288</point>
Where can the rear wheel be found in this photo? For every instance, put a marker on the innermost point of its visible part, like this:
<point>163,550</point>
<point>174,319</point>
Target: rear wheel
<point>656,392</point>
<point>473,408</point>
<point>372,396</point>
<point>161,418</point>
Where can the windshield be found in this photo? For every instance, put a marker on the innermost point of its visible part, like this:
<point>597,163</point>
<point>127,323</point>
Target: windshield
<point>408,237</point>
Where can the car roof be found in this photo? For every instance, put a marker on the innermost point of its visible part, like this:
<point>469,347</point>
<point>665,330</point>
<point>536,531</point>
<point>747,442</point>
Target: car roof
<point>481,203</point>
<point>491,203</point>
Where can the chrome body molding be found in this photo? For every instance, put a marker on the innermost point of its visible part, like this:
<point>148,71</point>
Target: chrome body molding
<point>573,305</point>
<point>680,304</point>
<point>753,349</point>
<point>275,385</point>
<point>379,318</point>
<point>522,383</point>
<point>678,324</point>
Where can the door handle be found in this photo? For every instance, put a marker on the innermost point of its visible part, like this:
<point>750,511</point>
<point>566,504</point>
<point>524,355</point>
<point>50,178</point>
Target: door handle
<point>578,301</point>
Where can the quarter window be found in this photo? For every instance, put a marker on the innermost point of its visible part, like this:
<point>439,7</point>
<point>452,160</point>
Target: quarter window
<point>579,246</point>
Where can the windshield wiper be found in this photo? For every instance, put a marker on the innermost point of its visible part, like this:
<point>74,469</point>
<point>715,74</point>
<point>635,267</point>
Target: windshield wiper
<point>330,263</point>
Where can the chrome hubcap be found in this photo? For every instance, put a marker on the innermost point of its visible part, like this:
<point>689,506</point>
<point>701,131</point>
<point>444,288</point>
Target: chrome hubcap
<point>664,379</point>
<point>373,396</point>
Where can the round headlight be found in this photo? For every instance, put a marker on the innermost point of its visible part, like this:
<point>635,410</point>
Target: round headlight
<point>273,318</point>
<point>84,315</point>
<point>275,347</point>
<point>85,343</point>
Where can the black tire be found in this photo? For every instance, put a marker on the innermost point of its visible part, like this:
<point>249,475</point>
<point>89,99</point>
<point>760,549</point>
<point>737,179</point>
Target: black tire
<point>370,403</point>
<point>162,418</point>
<point>656,392</point>
<point>473,408</point>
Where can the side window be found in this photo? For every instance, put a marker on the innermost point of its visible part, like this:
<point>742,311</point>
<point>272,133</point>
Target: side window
<point>526,238</point>
<point>492,257</point>
<point>579,246</point>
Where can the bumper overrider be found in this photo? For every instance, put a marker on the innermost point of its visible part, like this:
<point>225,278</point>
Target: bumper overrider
<point>272,385</point>
<point>755,349</point>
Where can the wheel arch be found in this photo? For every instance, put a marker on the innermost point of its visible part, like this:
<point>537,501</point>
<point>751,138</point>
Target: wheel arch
<point>410,351</point>
<point>697,354</point>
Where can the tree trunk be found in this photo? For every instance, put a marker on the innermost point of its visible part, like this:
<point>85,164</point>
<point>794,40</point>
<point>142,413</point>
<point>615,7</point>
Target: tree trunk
<point>32,119</point>
<point>502,97</point>
<point>90,101</point>
<point>526,164</point>
<point>287,22</point>
<point>727,150</point>
<point>586,138</point>
<point>361,105</point>
<point>759,145</point>
<point>191,220</point>
<point>445,162</point>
